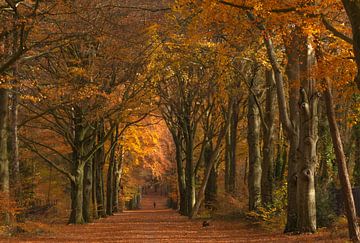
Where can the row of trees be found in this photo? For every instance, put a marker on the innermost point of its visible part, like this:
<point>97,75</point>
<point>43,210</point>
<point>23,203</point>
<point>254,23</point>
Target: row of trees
<point>70,89</point>
<point>215,54</point>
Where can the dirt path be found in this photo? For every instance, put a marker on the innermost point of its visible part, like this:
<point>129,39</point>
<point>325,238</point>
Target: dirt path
<point>163,225</point>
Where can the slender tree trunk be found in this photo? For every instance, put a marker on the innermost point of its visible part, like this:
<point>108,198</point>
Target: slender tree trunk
<point>183,208</point>
<point>227,161</point>
<point>230,148</point>
<point>211,187</point>
<point>189,177</point>
<point>88,145</point>
<point>94,188</point>
<point>99,177</point>
<point>110,178</point>
<point>4,162</point>
<point>14,150</point>
<point>253,138</point>
<point>13,126</point>
<point>189,166</point>
<point>117,178</point>
<point>343,172</point>
<point>267,177</point>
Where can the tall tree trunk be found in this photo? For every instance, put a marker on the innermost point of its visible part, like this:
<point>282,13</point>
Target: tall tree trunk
<point>267,177</point>
<point>4,162</point>
<point>352,8</point>
<point>230,148</point>
<point>94,188</point>
<point>110,177</point>
<point>88,181</point>
<point>88,145</point>
<point>13,126</point>
<point>183,208</point>
<point>253,138</point>
<point>307,143</point>
<point>189,175</point>
<point>291,128</point>
<point>78,168</point>
<point>117,178</point>
<point>14,141</point>
<point>343,172</point>
<point>77,196</point>
<point>99,180</point>
<point>211,187</point>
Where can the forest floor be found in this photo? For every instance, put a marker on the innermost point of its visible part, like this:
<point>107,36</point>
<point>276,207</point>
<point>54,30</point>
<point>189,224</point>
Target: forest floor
<point>160,224</point>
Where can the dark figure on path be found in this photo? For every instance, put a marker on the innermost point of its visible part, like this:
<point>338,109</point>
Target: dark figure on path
<point>206,223</point>
<point>154,204</point>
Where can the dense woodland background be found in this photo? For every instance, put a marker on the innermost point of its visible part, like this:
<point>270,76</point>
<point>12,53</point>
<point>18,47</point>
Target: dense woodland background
<point>225,106</point>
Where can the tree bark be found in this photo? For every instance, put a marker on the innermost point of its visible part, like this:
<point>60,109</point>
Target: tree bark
<point>343,172</point>
<point>211,187</point>
<point>230,148</point>
<point>253,138</point>
<point>183,208</point>
<point>117,179</point>
<point>267,177</point>
<point>87,146</point>
<point>110,177</point>
<point>307,142</point>
<point>291,129</point>
<point>99,178</point>
<point>77,196</point>
<point>4,162</point>
<point>15,166</point>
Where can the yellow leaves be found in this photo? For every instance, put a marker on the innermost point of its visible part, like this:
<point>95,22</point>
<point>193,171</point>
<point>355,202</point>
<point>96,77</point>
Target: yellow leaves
<point>78,72</point>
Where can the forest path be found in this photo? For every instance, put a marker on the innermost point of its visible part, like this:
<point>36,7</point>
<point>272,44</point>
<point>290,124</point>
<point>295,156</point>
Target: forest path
<point>163,225</point>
